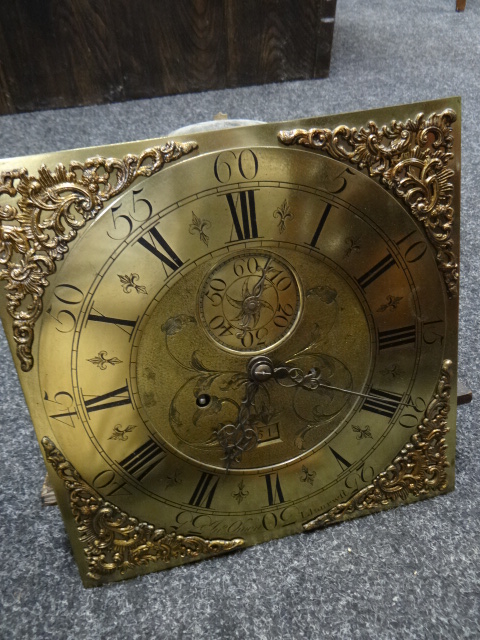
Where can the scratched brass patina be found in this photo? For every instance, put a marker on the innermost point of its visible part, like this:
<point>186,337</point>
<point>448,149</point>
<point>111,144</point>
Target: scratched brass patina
<point>237,335</point>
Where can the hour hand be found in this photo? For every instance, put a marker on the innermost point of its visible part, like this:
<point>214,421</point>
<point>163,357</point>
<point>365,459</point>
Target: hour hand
<point>236,439</point>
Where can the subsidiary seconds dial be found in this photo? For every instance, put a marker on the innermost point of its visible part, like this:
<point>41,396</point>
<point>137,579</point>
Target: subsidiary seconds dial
<point>250,301</point>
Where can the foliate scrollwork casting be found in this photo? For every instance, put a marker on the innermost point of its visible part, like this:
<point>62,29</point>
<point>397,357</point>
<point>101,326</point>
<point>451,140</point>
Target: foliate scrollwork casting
<point>418,470</point>
<point>47,212</point>
<point>116,542</point>
<point>411,159</point>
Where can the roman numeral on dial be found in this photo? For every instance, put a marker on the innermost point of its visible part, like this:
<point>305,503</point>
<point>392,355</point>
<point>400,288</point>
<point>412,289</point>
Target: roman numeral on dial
<point>115,398</point>
<point>376,271</point>
<point>127,326</point>
<point>321,224</point>
<point>143,460</point>
<point>396,337</point>
<point>343,462</point>
<point>274,489</point>
<point>245,224</point>
<point>383,403</point>
<point>156,244</point>
<point>204,491</point>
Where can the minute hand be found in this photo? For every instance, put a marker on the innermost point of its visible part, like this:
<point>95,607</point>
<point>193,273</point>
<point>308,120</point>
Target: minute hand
<point>295,377</point>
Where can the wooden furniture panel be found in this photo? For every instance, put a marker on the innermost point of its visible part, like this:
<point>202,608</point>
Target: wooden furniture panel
<point>58,53</point>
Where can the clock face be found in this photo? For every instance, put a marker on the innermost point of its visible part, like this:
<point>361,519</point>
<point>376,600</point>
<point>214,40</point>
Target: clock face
<point>241,342</point>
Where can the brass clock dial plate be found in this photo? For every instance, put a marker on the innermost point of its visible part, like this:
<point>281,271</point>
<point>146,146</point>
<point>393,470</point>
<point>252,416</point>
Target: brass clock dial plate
<point>239,343</point>
<point>142,350</point>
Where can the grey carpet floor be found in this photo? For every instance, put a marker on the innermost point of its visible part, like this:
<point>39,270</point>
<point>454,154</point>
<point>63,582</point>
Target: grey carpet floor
<point>411,573</point>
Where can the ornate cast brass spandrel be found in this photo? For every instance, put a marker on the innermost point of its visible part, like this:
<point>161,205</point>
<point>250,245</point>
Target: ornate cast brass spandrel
<point>116,542</point>
<point>47,212</point>
<point>418,470</point>
<point>411,159</point>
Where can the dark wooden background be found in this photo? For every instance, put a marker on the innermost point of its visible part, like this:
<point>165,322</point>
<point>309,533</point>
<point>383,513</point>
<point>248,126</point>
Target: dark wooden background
<point>61,53</point>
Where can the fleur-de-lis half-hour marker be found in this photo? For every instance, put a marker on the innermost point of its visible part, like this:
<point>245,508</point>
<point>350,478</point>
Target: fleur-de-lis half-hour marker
<point>392,371</point>
<point>362,432</point>
<point>284,213</point>
<point>121,434</point>
<point>392,304</point>
<point>174,478</point>
<point>307,476</point>
<point>241,493</point>
<point>198,226</point>
<point>101,360</point>
<point>129,282</point>
<point>353,244</point>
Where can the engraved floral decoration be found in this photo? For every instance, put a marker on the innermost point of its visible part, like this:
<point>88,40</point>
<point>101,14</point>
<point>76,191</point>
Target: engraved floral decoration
<point>307,475</point>
<point>101,360</point>
<point>391,304</point>
<point>115,542</point>
<point>392,371</point>
<point>353,244</point>
<point>362,432</point>
<point>418,471</point>
<point>198,225</point>
<point>173,479</point>
<point>241,492</point>
<point>221,388</point>
<point>410,158</point>
<point>46,213</point>
<point>129,283</point>
<point>120,433</point>
<point>284,213</point>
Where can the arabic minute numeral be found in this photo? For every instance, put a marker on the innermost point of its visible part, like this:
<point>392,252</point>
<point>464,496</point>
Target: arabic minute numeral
<point>341,177</point>
<point>359,477</point>
<point>123,221</point>
<point>431,333</point>
<point>70,295</point>
<point>410,420</point>
<point>228,166</point>
<point>66,405</point>
<point>414,251</point>
<point>106,482</point>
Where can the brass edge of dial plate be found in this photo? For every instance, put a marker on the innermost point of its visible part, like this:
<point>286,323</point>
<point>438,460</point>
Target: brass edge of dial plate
<point>411,159</point>
<point>115,541</point>
<point>50,209</point>
<point>418,470</point>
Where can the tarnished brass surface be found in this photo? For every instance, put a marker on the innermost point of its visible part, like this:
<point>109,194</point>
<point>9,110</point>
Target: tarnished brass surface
<point>113,540</point>
<point>257,340</point>
<point>50,209</point>
<point>412,159</point>
<point>419,469</point>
